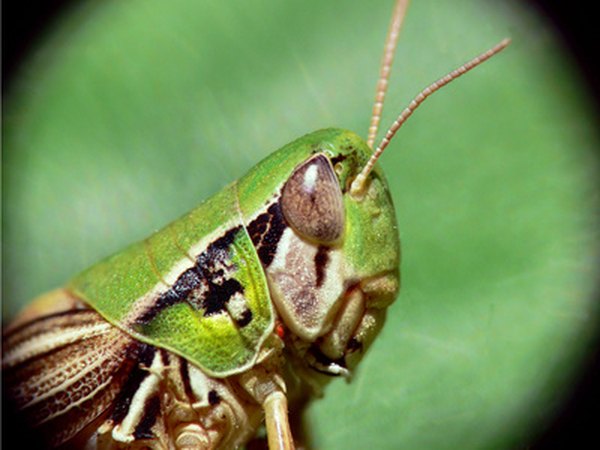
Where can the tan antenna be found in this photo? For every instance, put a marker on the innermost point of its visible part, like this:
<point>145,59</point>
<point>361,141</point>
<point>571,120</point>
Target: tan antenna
<point>359,182</point>
<point>386,67</point>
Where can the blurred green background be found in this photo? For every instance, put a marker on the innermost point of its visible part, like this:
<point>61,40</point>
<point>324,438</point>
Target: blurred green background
<point>130,113</point>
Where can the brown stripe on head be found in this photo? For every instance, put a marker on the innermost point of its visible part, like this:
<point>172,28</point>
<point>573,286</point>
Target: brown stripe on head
<point>307,283</point>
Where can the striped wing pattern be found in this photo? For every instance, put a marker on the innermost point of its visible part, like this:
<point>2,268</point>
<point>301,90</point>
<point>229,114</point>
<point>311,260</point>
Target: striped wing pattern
<point>78,381</point>
<point>64,370</point>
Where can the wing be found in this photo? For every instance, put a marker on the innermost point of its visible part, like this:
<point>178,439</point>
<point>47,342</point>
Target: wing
<point>63,369</point>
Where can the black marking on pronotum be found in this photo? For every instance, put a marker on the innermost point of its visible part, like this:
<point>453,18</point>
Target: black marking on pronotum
<point>321,261</point>
<point>219,294</point>
<point>143,430</point>
<point>265,232</point>
<point>144,354</point>
<point>204,286</point>
<point>186,282</point>
<point>214,398</point>
<point>245,318</point>
<point>322,362</point>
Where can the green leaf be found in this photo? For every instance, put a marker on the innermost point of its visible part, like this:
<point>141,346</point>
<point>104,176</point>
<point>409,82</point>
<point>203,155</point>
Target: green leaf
<point>130,113</point>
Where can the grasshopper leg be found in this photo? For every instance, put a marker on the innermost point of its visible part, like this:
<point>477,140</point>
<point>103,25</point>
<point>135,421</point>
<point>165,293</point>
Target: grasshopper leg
<point>279,434</point>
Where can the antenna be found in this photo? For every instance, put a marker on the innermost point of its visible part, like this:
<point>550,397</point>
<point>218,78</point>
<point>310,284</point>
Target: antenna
<point>386,67</point>
<point>359,182</point>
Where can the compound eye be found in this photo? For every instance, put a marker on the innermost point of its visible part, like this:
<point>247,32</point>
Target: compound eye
<point>312,201</point>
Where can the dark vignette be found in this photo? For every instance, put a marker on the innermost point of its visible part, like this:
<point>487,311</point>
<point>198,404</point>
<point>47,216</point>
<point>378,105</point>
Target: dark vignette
<point>25,24</point>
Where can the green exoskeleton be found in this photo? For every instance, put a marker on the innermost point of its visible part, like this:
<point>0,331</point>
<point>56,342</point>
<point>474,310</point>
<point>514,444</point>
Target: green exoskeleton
<point>228,316</point>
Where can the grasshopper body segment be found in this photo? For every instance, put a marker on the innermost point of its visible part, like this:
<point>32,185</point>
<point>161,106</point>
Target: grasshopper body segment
<point>198,288</point>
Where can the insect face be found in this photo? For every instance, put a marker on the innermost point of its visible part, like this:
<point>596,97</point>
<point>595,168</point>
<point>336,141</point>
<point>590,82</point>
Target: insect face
<point>316,242</point>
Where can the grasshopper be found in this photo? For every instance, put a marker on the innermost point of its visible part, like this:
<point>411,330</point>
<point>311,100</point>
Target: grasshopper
<point>231,315</point>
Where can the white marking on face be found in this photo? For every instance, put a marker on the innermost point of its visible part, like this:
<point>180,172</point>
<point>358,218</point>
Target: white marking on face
<point>308,310</point>
<point>310,178</point>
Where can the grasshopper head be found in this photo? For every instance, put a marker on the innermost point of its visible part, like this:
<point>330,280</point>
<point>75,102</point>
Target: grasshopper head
<point>331,258</point>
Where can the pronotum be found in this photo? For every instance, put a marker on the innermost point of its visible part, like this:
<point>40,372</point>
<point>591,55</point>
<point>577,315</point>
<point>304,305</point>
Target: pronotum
<point>230,315</point>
